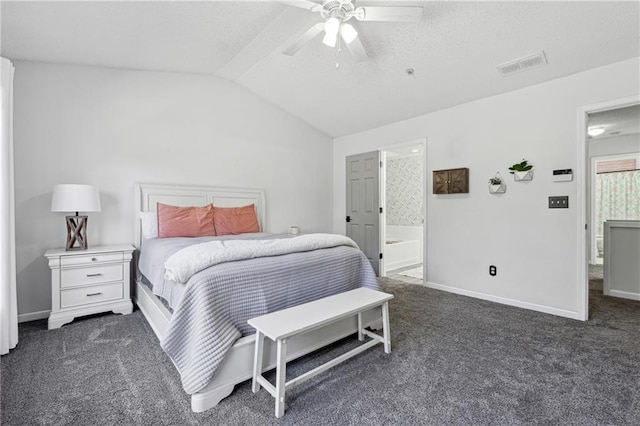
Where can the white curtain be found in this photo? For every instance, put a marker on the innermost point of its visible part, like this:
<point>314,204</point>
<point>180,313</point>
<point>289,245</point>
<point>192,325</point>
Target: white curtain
<point>617,197</point>
<point>8,296</point>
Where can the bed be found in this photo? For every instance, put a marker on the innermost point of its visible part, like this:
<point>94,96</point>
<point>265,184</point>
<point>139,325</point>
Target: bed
<point>236,364</point>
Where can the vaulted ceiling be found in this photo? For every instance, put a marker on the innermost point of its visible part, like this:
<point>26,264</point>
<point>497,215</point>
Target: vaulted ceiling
<point>453,50</point>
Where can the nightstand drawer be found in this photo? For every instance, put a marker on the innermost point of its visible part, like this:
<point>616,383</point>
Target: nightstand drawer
<point>90,275</point>
<point>88,259</point>
<point>91,294</point>
<point>90,281</point>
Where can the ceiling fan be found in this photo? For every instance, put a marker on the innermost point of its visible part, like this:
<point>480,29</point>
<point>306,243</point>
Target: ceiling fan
<point>336,15</point>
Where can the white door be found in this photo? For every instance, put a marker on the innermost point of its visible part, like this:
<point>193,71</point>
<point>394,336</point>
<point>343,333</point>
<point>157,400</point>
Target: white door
<point>363,204</point>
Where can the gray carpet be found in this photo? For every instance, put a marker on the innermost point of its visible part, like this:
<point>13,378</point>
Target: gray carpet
<point>455,361</point>
<point>596,277</point>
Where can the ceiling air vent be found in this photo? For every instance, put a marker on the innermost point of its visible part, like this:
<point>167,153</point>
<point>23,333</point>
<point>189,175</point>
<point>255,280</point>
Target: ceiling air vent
<point>521,64</point>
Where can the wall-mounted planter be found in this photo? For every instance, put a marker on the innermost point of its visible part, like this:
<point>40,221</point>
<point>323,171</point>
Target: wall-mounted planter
<point>521,176</point>
<point>522,171</point>
<point>497,185</point>
<point>497,189</point>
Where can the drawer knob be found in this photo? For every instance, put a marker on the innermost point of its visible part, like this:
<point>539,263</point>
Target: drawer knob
<point>94,259</point>
<point>93,275</point>
<point>94,294</point>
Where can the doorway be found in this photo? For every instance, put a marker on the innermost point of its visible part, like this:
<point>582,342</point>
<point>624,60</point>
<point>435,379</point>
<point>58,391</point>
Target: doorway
<point>403,227</point>
<point>386,209</point>
<point>614,180</point>
<point>608,149</point>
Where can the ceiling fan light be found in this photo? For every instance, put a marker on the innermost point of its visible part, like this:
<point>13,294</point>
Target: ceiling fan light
<point>348,33</point>
<point>330,39</point>
<point>332,26</point>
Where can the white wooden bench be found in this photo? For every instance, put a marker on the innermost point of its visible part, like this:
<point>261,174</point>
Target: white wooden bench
<point>281,325</point>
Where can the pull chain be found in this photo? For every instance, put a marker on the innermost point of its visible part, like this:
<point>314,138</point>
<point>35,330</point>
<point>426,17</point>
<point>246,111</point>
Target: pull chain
<point>338,50</point>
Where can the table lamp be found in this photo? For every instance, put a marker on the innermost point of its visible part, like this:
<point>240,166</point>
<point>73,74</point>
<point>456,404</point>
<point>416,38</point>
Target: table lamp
<point>75,198</point>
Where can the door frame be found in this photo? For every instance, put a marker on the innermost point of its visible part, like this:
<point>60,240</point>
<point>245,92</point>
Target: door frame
<point>582,267</point>
<point>383,200</point>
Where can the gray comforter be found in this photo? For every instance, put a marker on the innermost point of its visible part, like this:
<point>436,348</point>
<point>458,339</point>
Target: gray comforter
<point>212,312</point>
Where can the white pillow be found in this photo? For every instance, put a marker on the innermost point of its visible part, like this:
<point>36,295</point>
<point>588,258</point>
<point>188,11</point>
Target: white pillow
<point>149,222</point>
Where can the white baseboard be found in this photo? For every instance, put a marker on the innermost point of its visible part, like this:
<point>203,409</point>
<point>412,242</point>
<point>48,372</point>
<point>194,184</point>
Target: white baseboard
<point>622,294</point>
<point>505,301</point>
<point>32,316</point>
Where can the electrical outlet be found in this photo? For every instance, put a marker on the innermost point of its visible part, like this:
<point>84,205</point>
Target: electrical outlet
<point>559,202</point>
<point>493,270</point>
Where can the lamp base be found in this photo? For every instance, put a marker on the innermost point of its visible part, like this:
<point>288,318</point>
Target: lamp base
<point>76,233</point>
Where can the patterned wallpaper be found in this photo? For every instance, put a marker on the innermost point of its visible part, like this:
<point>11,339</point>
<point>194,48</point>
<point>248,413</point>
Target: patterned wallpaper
<point>405,191</point>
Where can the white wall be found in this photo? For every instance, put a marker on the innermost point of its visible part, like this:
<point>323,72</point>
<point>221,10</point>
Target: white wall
<point>534,248</point>
<point>112,128</point>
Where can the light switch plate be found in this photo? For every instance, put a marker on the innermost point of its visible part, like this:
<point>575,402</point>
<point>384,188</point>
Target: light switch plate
<point>559,202</point>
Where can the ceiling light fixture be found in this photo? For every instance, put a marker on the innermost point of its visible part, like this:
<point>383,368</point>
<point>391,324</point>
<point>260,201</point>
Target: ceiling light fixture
<point>338,26</point>
<point>348,33</point>
<point>595,131</point>
<point>331,28</point>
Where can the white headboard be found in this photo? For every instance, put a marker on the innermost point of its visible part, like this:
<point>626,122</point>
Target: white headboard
<point>148,194</point>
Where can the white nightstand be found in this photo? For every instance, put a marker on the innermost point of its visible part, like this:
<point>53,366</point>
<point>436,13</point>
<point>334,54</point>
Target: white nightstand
<point>89,281</point>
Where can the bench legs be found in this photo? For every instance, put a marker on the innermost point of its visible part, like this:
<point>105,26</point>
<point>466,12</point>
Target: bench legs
<point>278,391</point>
<point>281,375</point>
<point>386,333</point>
<point>281,371</point>
<point>257,361</point>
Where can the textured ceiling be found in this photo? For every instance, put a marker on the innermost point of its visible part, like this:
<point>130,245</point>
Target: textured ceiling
<point>616,122</point>
<point>195,37</point>
<point>454,50</point>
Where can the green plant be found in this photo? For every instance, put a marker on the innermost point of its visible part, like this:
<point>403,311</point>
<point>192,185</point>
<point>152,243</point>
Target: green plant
<point>523,166</point>
<point>495,181</point>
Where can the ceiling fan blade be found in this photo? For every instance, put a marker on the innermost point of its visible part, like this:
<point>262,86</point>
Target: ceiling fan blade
<point>357,50</point>
<point>303,4</point>
<point>304,39</point>
<point>389,14</point>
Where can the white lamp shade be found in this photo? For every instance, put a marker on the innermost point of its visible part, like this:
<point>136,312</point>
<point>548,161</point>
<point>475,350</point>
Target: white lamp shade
<point>331,28</point>
<point>348,33</point>
<point>330,39</point>
<point>75,198</point>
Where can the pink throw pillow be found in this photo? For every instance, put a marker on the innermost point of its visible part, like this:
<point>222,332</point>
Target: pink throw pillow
<point>235,220</point>
<point>185,221</point>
